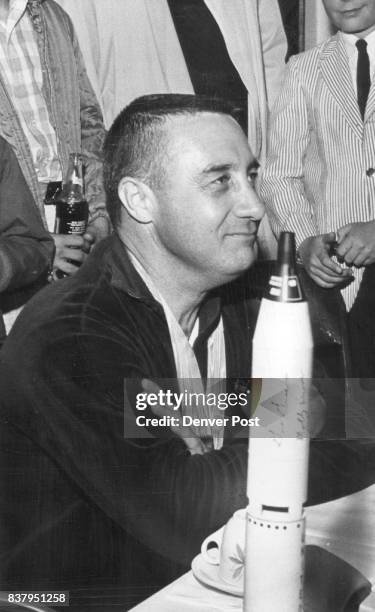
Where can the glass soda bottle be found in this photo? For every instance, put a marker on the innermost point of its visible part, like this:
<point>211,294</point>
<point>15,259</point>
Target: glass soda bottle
<point>72,211</point>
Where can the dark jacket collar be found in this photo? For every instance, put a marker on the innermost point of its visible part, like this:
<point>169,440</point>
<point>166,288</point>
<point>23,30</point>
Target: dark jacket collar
<point>124,277</point>
<point>123,274</point>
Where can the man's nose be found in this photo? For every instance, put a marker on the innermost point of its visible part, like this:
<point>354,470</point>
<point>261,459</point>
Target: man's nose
<point>248,203</point>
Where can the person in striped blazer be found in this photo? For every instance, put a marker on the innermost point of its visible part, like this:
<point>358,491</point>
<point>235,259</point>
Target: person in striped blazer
<point>319,177</point>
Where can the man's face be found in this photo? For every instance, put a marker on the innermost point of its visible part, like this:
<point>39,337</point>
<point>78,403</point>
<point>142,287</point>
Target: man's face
<point>352,16</point>
<point>208,211</point>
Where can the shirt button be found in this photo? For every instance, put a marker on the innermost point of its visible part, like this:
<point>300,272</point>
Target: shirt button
<point>370,172</point>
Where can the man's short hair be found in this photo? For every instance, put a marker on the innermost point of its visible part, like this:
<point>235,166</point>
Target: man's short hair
<point>135,144</point>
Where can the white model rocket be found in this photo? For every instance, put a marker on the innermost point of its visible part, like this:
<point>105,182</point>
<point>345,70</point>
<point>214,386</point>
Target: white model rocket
<point>278,455</point>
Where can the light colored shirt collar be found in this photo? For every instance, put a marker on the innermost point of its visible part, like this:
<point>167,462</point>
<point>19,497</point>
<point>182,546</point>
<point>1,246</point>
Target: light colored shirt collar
<point>351,39</point>
<point>188,373</point>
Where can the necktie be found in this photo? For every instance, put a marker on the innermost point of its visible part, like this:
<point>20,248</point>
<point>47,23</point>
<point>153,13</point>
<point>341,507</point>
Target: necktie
<point>363,75</point>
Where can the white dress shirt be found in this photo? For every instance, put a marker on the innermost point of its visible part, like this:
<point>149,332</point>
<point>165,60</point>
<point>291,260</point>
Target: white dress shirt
<point>188,373</point>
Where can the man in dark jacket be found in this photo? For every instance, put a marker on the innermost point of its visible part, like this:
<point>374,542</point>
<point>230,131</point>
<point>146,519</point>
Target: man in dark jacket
<point>26,248</point>
<point>99,501</point>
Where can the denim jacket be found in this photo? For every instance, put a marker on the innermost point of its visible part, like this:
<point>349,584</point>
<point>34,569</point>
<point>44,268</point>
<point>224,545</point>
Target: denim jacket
<point>73,108</point>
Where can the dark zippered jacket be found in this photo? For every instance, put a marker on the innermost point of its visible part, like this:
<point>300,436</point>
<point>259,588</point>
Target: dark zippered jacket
<point>26,248</point>
<point>93,503</point>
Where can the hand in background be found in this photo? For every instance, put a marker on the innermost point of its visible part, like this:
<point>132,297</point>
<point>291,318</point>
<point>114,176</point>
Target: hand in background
<point>356,243</point>
<point>89,239</point>
<point>314,252</point>
<point>99,228</point>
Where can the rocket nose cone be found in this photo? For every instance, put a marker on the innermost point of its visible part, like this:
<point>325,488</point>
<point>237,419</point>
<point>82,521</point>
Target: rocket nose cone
<point>284,284</point>
<point>286,253</point>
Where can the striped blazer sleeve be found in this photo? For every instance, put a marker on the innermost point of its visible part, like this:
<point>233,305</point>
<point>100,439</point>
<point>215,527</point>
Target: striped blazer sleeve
<point>282,180</point>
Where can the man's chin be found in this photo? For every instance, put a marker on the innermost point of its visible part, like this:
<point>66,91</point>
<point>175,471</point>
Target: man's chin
<point>231,267</point>
<point>242,264</point>
<point>246,257</point>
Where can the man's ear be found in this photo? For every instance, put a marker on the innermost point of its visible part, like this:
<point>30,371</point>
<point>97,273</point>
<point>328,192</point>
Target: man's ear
<point>137,198</point>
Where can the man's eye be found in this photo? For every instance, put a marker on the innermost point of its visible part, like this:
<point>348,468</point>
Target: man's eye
<point>222,180</point>
<point>252,176</point>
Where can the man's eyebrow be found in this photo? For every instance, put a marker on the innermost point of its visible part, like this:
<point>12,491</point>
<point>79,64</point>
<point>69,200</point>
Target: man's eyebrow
<point>253,165</point>
<point>217,168</point>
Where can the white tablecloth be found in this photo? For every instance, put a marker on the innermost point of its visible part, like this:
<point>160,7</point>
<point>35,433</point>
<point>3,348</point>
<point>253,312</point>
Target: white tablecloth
<point>345,527</point>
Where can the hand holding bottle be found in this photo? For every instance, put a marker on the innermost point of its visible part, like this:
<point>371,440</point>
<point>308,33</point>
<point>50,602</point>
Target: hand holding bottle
<point>72,242</point>
<point>71,251</point>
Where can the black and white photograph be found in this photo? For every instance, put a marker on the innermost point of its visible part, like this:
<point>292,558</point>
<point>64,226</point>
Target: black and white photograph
<point>187,305</point>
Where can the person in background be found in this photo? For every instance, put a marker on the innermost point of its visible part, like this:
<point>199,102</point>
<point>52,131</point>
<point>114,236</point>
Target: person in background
<point>26,248</point>
<point>319,179</point>
<point>233,50</point>
<point>102,503</point>
<point>48,110</point>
